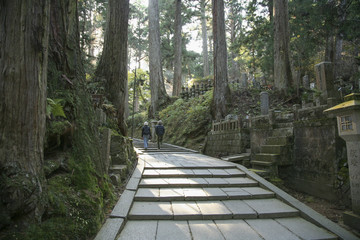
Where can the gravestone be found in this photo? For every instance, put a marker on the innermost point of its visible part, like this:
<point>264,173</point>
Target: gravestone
<point>244,83</point>
<point>325,79</point>
<point>264,101</point>
<point>306,82</point>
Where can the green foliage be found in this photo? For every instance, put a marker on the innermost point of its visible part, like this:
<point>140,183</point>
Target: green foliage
<point>139,119</point>
<point>187,122</point>
<point>142,87</point>
<point>55,108</point>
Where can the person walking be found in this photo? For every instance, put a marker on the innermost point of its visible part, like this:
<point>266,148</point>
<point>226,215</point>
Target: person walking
<point>160,131</point>
<point>146,134</point>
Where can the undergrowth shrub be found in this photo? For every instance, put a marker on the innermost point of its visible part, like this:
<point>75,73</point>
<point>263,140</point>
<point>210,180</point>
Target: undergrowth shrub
<point>188,121</point>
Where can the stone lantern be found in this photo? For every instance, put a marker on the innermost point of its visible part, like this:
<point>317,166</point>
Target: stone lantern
<point>348,121</point>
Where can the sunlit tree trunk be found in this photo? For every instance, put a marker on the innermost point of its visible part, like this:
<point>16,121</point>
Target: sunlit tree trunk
<point>157,86</point>
<point>113,63</point>
<point>204,40</point>
<point>282,68</point>
<point>221,88</point>
<point>24,35</point>
<point>178,47</point>
<point>234,22</point>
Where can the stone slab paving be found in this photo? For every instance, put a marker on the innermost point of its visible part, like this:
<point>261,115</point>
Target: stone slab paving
<point>269,208</point>
<point>271,229</point>
<point>186,210</point>
<point>215,209</point>
<point>151,210</point>
<point>139,230</point>
<point>237,229</point>
<point>205,230</point>
<point>240,210</point>
<point>297,226</point>
<point>192,196</point>
<point>174,230</point>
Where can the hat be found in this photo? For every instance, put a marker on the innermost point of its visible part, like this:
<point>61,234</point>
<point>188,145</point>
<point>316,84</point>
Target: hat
<point>146,123</point>
<point>159,122</point>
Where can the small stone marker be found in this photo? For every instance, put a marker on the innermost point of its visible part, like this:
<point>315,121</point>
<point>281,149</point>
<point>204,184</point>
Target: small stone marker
<point>306,82</point>
<point>264,100</point>
<point>244,83</point>
<point>325,79</point>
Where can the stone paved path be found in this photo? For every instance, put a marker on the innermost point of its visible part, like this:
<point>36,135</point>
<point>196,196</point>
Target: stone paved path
<point>185,195</point>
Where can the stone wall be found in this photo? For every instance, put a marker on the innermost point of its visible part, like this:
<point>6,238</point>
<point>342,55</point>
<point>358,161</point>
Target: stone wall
<point>224,143</point>
<point>318,151</point>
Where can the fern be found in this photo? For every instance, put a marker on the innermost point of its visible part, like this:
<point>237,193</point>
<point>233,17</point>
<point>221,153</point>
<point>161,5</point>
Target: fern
<point>54,107</point>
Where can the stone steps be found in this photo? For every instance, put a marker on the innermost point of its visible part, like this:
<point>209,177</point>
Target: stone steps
<point>166,211</point>
<point>188,173</point>
<point>211,210</point>
<point>278,140</point>
<point>196,182</point>
<point>273,149</point>
<point>203,193</point>
<point>254,229</point>
<point>266,157</point>
<point>283,132</point>
<point>196,194</point>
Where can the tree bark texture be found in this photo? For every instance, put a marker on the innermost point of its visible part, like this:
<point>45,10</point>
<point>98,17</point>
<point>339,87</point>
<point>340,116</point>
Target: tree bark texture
<point>204,40</point>
<point>157,86</point>
<point>178,55</point>
<point>282,68</point>
<point>24,39</point>
<point>64,49</point>
<point>235,73</point>
<point>221,88</point>
<point>112,67</point>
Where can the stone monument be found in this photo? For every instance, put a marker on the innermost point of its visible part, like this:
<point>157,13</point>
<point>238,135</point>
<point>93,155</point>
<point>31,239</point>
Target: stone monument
<point>348,120</point>
<point>264,101</point>
<point>325,79</point>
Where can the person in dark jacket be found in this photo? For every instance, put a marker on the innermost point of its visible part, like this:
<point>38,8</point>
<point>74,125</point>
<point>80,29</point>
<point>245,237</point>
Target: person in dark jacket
<point>160,131</point>
<point>146,134</point>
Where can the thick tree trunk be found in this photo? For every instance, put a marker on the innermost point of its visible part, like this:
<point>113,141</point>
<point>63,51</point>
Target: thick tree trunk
<point>157,87</point>
<point>64,49</point>
<point>221,88</point>
<point>282,68</point>
<point>177,46</point>
<point>23,68</point>
<point>204,40</point>
<point>113,63</point>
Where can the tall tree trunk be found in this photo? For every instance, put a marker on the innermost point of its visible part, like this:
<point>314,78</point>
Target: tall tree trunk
<point>178,47</point>
<point>204,40</point>
<point>23,68</point>
<point>235,74</point>
<point>157,86</point>
<point>113,63</point>
<point>221,88</point>
<point>282,68</point>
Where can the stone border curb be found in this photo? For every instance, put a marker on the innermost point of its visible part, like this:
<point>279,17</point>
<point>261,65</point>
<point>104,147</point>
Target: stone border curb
<point>118,217</point>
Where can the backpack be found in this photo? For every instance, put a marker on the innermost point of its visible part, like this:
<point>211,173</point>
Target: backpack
<point>146,130</point>
<point>160,130</point>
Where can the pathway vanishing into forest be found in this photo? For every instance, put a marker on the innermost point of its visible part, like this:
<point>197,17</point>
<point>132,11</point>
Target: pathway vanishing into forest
<point>176,193</point>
